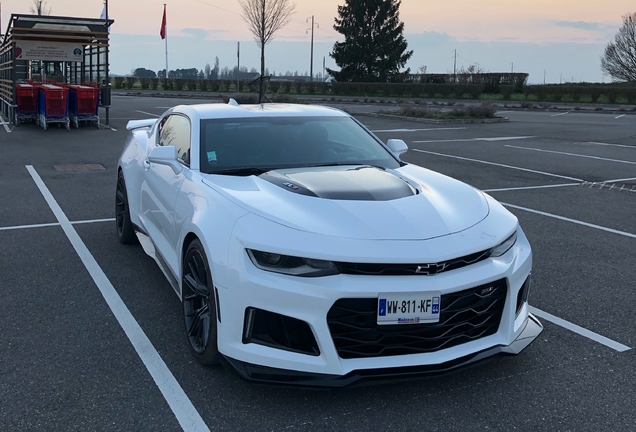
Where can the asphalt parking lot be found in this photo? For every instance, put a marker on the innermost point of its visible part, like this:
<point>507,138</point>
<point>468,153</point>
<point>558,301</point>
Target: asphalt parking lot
<point>66,362</point>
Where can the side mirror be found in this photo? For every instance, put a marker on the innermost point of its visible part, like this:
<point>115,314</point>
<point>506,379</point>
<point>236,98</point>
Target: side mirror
<point>397,146</point>
<point>166,155</point>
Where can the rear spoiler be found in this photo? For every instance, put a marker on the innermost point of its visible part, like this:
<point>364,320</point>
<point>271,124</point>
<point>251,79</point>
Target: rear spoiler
<point>138,124</point>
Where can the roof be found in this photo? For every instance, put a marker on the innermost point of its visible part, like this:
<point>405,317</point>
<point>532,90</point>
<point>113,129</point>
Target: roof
<point>46,28</point>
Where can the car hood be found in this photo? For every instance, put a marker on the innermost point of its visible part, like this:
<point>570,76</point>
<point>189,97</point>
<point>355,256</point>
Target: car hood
<point>361,202</point>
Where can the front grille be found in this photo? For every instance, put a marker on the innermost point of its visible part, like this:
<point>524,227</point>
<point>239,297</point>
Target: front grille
<point>411,269</point>
<point>464,316</point>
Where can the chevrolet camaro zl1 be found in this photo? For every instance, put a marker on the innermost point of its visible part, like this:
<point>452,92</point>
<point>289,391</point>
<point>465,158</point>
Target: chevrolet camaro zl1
<point>306,252</point>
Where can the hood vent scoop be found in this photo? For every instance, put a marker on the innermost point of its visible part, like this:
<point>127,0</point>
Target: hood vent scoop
<point>352,182</point>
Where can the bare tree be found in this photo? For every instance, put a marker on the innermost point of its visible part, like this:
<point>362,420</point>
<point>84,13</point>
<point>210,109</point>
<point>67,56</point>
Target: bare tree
<point>264,18</point>
<point>40,7</point>
<point>619,59</point>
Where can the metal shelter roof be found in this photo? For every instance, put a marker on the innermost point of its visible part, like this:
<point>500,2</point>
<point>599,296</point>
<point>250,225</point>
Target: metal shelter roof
<point>41,28</point>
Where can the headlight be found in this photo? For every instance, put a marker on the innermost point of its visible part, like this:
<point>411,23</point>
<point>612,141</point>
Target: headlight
<point>291,265</point>
<point>505,246</point>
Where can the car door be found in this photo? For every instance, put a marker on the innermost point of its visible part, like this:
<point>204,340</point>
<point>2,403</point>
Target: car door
<point>163,185</point>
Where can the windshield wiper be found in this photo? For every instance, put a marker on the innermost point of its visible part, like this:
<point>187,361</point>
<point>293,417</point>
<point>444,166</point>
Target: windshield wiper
<point>242,171</point>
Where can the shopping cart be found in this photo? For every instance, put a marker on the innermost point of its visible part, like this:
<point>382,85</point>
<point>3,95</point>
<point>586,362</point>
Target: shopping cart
<point>26,96</point>
<point>83,104</point>
<point>52,105</point>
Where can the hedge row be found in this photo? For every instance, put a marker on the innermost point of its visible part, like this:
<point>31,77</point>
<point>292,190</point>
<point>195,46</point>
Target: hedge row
<point>492,81</point>
<point>554,93</point>
<point>178,84</point>
<point>585,93</point>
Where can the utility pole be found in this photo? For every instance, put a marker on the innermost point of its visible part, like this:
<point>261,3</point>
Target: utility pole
<point>455,67</point>
<point>311,62</point>
<point>323,69</point>
<point>543,76</point>
<point>561,78</point>
<point>512,68</point>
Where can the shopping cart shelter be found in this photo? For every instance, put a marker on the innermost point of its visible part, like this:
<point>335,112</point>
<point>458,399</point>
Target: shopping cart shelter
<point>54,69</point>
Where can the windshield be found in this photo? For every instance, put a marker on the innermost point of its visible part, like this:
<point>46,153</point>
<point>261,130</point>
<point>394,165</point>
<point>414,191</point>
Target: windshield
<point>235,146</point>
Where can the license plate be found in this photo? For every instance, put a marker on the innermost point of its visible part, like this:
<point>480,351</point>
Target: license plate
<point>409,308</point>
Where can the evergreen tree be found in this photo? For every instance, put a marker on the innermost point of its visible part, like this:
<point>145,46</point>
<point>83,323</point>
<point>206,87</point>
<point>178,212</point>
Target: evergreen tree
<point>374,48</point>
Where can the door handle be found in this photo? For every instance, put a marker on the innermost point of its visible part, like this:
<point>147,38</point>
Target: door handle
<point>146,164</point>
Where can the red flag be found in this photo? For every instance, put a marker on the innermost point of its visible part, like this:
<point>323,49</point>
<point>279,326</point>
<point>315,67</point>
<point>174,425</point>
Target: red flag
<point>163,24</point>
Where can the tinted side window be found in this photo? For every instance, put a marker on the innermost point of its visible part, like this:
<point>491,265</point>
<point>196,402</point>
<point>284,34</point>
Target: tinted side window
<point>176,131</point>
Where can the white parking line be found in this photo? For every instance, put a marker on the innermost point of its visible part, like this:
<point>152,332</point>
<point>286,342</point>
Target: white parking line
<point>560,114</point>
<point>531,187</point>
<point>147,113</point>
<point>578,222</point>
<point>181,406</point>
<point>608,144</point>
<point>447,140</point>
<point>477,139</point>
<point>17,227</point>
<point>622,115</point>
<point>500,165</point>
<point>578,329</point>
<point>418,130</point>
<point>619,180</point>
<point>572,154</point>
<point>93,221</point>
<point>9,228</point>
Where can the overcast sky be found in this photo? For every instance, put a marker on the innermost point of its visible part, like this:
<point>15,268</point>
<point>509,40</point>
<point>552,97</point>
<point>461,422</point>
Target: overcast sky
<point>565,37</point>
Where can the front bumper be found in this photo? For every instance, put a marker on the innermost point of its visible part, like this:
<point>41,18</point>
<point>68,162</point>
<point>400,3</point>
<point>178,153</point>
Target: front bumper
<point>274,376</point>
<point>241,287</point>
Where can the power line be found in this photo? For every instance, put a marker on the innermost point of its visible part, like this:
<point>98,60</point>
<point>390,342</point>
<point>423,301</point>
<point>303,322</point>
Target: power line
<point>237,13</point>
<point>218,7</point>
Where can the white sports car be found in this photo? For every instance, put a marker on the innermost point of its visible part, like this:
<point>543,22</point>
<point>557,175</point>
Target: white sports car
<point>306,252</point>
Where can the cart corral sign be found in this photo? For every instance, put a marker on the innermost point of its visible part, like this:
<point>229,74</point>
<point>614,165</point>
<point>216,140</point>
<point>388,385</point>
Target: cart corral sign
<point>48,52</point>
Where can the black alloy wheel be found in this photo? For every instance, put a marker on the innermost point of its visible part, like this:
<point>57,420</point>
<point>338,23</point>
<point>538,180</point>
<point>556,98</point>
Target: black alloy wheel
<point>199,305</point>
<point>125,230</point>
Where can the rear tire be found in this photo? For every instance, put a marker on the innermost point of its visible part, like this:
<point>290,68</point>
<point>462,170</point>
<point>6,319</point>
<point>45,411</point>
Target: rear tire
<point>125,231</point>
<point>199,305</point>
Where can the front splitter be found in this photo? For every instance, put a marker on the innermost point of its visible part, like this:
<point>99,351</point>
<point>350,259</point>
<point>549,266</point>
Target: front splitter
<point>284,377</point>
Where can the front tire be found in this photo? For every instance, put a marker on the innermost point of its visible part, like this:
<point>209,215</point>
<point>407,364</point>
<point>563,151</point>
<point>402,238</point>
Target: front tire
<point>125,231</point>
<point>199,305</point>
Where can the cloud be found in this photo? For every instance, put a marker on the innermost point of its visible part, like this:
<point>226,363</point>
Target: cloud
<point>196,32</point>
<point>586,25</point>
<point>200,33</point>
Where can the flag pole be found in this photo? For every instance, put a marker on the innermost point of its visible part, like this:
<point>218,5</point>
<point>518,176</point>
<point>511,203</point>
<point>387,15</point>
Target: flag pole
<point>107,65</point>
<point>164,14</point>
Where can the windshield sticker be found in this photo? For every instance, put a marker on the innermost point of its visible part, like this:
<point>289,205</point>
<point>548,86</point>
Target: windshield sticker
<point>211,156</point>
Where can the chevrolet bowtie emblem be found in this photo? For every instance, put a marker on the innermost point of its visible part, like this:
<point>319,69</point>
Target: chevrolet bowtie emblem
<point>429,269</point>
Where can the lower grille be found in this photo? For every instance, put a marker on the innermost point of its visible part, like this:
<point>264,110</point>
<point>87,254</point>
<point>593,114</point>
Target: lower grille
<point>464,316</point>
<point>278,331</point>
